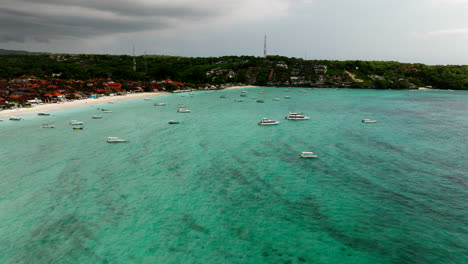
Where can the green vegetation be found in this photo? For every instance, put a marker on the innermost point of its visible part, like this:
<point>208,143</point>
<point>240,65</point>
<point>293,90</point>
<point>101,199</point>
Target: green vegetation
<point>272,71</point>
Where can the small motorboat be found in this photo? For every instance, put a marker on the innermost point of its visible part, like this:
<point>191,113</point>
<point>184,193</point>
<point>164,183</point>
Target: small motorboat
<point>275,99</point>
<point>297,116</point>
<point>173,122</point>
<point>43,114</point>
<point>260,101</point>
<point>159,104</point>
<point>15,118</point>
<point>75,122</point>
<point>368,121</point>
<point>267,122</point>
<point>96,117</point>
<point>115,140</point>
<point>307,155</point>
<point>287,97</point>
<point>183,110</point>
<point>238,100</point>
<point>243,95</point>
<point>78,128</point>
<point>48,126</point>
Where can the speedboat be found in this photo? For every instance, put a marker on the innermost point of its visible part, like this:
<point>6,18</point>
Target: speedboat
<point>75,122</point>
<point>48,126</point>
<point>287,97</point>
<point>297,116</point>
<point>15,118</point>
<point>183,110</point>
<point>159,104</point>
<point>368,121</point>
<point>96,117</point>
<point>307,155</point>
<point>173,122</point>
<point>43,114</point>
<point>78,128</point>
<point>115,140</point>
<point>267,122</point>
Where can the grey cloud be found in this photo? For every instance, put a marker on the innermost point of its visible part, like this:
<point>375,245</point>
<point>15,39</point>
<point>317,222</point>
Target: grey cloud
<point>129,8</point>
<point>28,25</point>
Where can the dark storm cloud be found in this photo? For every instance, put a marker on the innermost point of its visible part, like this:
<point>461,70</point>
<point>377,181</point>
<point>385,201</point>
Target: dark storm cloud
<point>44,20</point>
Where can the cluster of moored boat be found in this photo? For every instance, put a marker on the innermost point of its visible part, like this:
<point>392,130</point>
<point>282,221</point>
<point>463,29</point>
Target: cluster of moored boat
<point>77,125</point>
<point>180,109</point>
<point>291,116</point>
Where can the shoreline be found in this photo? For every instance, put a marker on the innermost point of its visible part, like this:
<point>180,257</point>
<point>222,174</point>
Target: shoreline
<point>240,87</point>
<point>90,101</point>
<point>76,103</point>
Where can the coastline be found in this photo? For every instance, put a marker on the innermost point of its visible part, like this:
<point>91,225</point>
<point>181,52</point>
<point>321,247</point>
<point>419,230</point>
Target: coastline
<point>76,103</point>
<point>90,101</point>
<point>240,87</point>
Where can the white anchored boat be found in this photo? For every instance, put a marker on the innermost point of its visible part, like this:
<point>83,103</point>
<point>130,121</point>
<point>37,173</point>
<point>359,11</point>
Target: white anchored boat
<point>183,110</point>
<point>287,97</point>
<point>116,140</point>
<point>297,116</point>
<point>96,117</point>
<point>75,122</point>
<point>15,118</point>
<point>159,104</point>
<point>267,122</point>
<point>368,121</point>
<point>238,100</point>
<point>48,126</point>
<point>306,154</point>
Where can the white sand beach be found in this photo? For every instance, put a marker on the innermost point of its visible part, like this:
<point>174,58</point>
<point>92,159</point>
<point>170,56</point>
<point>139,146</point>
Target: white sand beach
<point>240,87</point>
<point>75,103</point>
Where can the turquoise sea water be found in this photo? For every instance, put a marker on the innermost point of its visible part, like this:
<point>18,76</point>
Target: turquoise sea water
<point>218,188</point>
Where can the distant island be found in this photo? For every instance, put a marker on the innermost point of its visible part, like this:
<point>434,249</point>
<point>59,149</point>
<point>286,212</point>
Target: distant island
<point>25,76</point>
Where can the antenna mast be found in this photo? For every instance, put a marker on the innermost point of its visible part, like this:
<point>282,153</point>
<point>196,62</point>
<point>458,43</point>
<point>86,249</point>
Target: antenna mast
<point>134,61</point>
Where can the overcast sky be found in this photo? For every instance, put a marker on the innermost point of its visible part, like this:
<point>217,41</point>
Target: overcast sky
<point>425,31</point>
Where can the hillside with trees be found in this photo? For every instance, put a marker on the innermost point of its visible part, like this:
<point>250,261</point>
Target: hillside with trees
<point>270,71</point>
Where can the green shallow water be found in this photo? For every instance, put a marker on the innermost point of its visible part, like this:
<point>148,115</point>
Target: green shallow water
<point>218,188</point>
